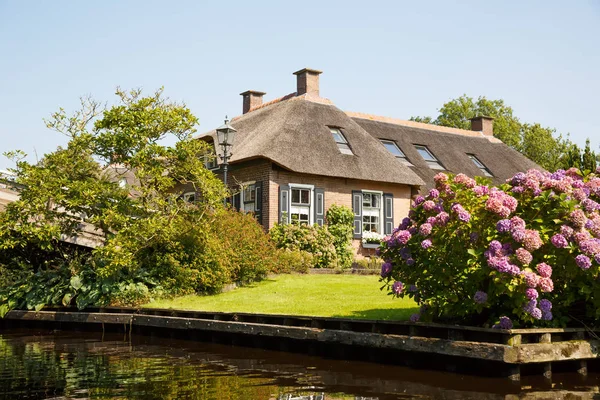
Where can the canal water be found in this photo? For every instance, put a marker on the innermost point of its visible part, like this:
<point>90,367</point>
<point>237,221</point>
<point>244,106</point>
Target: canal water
<point>38,364</point>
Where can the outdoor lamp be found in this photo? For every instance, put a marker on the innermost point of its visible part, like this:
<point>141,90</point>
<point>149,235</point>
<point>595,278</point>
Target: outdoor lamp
<point>225,135</point>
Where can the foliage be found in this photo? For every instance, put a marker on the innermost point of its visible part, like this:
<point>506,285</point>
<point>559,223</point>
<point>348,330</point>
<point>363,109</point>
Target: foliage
<point>294,261</point>
<point>527,251</point>
<point>340,222</point>
<point>314,239</point>
<point>154,242</point>
<point>536,142</point>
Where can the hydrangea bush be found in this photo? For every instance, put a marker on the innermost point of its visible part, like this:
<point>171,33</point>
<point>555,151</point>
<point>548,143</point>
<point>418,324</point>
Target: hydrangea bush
<point>526,253</point>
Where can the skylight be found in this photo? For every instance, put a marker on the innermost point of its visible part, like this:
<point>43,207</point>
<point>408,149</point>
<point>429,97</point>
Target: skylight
<point>341,141</point>
<point>429,158</point>
<point>395,150</point>
<point>479,164</point>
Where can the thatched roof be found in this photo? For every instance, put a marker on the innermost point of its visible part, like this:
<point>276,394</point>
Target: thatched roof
<point>449,145</point>
<point>294,133</point>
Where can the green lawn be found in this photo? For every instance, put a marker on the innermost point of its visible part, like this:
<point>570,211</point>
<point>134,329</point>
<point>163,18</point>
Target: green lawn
<point>347,296</point>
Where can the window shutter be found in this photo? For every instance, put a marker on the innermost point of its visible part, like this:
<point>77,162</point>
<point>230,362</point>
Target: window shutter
<point>237,199</point>
<point>388,213</point>
<point>284,204</point>
<point>319,206</point>
<point>357,199</point>
<point>258,201</point>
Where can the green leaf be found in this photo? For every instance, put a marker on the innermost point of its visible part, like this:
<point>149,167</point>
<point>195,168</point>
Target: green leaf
<point>38,307</point>
<point>66,300</point>
<point>3,310</point>
<point>76,282</point>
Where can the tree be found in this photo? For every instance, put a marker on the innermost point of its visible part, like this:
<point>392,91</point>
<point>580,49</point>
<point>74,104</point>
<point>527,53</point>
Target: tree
<point>154,242</point>
<point>536,142</point>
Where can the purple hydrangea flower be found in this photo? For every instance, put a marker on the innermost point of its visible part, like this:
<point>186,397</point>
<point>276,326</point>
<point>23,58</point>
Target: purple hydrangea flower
<point>426,243</point>
<point>578,218</point>
<point>495,246</point>
<point>425,229</point>
<point>428,205</point>
<point>504,323</point>
<point>410,262</point>
<point>473,237</point>
<point>536,313</point>
<point>545,305</point>
<point>559,241</point>
<point>524,256</point>
<point>547,315</point>
<point>544,270</point>
<point>530,306</point>
<point>412,288</point>
<point>518,235</point>
<point>566,231</point>
<point>546,285</point>
<point>402,236</point>
<point>464,216</point>
<point>480,297</point>
<point>583,261</point>
<point>531,294</point>
<point>503,225</point>
<point>386,269</point>
<point>434,194</point>
<point>397,287</point>
<point>419,200</point>
<point>531,279</point>
<point>415,317</point>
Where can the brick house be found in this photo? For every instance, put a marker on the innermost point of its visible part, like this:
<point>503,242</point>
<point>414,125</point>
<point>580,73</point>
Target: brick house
<point>295,156</point>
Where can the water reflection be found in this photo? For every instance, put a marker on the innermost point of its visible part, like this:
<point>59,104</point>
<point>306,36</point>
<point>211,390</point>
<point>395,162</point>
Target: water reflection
<point>60,365</point>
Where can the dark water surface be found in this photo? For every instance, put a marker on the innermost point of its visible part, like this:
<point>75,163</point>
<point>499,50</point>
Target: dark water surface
<point>36,364</point>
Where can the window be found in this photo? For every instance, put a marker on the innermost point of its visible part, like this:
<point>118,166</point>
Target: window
<point>371,212</point>
<point>395,150</point>
<point>300,206</point>
<point>190,197</point>
<point>248,193</point>
<point>479,164</point>
<point>341,141</point>
<point>429,158</point>
<point>210,159</point>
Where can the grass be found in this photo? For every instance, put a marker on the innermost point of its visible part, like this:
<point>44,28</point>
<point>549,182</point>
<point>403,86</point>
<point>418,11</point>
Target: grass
<point>346,296</point>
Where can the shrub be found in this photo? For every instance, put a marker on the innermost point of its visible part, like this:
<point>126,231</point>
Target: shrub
<point>313,239</point>
<point>340,222</point>
<point>294,261</point>
<point>526,253</point>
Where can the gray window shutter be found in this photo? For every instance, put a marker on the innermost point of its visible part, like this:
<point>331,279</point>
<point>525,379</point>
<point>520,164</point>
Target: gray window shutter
<point>319,206</point>
<point>388,213</point>
<point>284,204</point>
<point>258,201</point>
<point>357,199</point>
<point>237,199</point>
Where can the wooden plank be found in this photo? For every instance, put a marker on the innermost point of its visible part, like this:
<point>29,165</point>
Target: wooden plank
<point>558,351</point>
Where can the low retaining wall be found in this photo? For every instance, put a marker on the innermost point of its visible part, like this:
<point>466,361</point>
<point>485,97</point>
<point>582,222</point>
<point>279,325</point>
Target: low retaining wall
<point>512,349</point>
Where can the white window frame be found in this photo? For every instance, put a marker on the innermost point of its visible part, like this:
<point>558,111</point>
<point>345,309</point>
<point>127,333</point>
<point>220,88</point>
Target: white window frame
<point>482,167</point>
<point>186,197</point>
<point>243,187</point>
<point>381,207</point>
<point>343,146</point>
<point>401,157</point>
<point>434,162</point>
<point>311,202</point>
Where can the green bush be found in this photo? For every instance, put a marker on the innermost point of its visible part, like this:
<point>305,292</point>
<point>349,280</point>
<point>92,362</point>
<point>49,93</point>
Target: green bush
<point>294,261</point>
<point>340,222</point>
<point>312,239</point>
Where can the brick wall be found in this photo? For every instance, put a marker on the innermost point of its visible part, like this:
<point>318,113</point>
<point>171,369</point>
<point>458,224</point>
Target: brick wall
<point>337,191</point>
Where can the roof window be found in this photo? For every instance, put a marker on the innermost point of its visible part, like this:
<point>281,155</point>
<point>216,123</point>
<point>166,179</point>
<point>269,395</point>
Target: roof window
<point>395,150</point>
<point>479,164</point>
<point>341,141</point>
<point>429,158</point>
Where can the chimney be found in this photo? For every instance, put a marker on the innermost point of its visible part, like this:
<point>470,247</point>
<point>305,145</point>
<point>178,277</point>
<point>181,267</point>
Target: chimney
<point>252,99</point>
<point>484,125</point>
<point>307,81</point>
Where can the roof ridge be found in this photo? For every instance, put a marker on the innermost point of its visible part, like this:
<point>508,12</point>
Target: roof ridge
<point>414,124</point>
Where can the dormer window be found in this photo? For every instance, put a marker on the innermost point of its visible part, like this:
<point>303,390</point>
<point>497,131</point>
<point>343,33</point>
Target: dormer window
<point>393,148</point>
<point>341,141</point>
<point>210,158</point>
<point>480,165</point>
<point>429,158</point>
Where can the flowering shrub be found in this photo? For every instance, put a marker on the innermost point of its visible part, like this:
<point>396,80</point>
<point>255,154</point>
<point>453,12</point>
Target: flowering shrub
<point>314,239</point>
<point>372,237</point>
<point>523,254</point>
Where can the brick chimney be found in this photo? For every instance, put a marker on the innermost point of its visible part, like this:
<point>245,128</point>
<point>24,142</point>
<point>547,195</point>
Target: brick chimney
<point>252,99</point>
<point>307,81</point>
<point>484,125</point>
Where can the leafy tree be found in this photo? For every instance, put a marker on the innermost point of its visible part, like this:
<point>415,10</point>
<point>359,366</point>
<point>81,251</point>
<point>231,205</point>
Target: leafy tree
<point>150,235</point>
<point>536,142</point>
<point>588,158</point>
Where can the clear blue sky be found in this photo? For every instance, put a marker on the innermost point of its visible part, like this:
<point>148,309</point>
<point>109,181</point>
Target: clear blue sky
<point>394,58</point>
